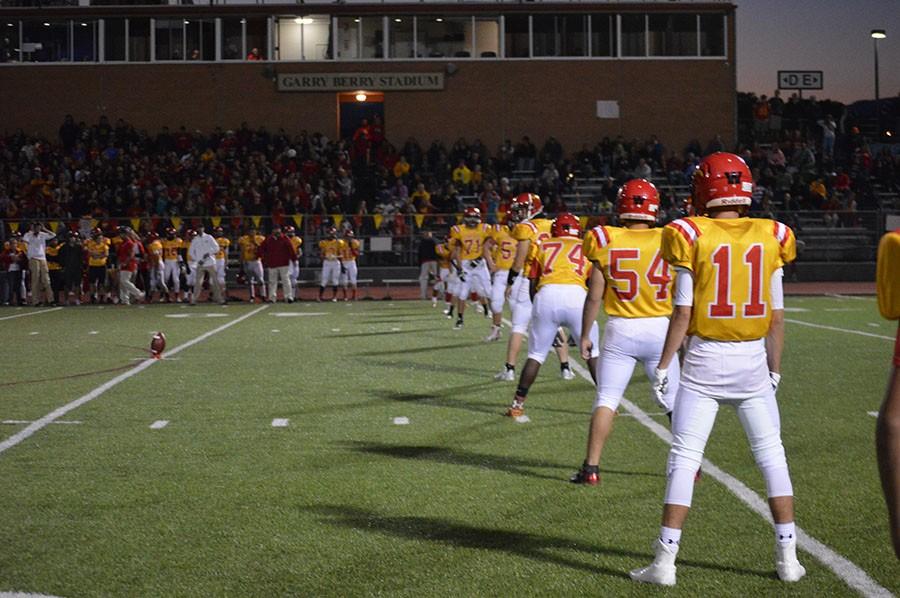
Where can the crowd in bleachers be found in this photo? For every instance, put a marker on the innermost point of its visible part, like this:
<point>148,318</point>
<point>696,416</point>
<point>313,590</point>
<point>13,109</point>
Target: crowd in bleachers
<point>111,169</point>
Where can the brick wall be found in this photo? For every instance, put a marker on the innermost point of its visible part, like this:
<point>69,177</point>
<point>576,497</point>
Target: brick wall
<point>675,99</point>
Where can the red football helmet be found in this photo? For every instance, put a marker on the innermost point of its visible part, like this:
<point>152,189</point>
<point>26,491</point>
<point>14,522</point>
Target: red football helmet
<point>566,225</point>
<point>638,199</point>
<point>721,180</point>
<point>96,232</point>
<point>525,207</point>
<point>472,216</point>
<point>349,233</point>
<point>331,231</point>
<point>289,230</point>
<point>192,233</point>
<point>219,230</point>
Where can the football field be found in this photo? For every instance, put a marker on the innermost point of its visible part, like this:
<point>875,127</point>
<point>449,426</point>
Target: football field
<point>359,449</point>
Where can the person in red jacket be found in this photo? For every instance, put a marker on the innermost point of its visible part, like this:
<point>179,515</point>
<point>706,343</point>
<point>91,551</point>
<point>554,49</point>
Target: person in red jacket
<point>277,253</point>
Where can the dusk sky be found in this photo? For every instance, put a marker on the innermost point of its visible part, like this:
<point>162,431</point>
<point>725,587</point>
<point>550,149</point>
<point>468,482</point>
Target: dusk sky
<point>825,35</point>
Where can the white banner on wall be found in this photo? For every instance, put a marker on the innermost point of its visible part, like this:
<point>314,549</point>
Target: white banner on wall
<point>360,81</point>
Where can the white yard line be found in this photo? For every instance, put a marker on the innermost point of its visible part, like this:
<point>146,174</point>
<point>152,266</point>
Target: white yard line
<point>835,329</point>
<point>31,313</point>
<point>58,413</point>
<point>28,421</point>
<point>856,297</point>
<point>846,570</point>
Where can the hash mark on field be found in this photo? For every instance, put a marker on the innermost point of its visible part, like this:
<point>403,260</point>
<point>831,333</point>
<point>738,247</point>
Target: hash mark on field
<point>798,309</point>
<point>275,330</point>
<point>297,314</point>
<point>872,413</point>
<point>401,421</point>
<point>874,324</point>
<point>839,309</point>
<point>395,329</point>
<point>159,424</point>
<point>857,298</point>
<point>93,332</point>
<point>522,419</point>
<point>33,333</point>
<point>335,329</point>
<point>280,422</point>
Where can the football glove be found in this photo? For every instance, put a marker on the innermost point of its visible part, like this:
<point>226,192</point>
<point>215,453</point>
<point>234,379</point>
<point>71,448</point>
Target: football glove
<point>775,379</point>
<point>461,275</point>
<point>661,386</point>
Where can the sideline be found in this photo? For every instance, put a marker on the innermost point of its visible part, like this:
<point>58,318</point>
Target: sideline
<point>38,425</point>
<point>835,329</point>
<point>846,570</point>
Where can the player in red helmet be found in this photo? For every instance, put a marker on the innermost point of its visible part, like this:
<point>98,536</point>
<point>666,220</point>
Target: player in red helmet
<point>330,249</point>
<point>499,252</point>
<point>467,242</point>
<point>633,284</point>
<point>558,285</point>
<point>532,227</point>
<point>729,309</point>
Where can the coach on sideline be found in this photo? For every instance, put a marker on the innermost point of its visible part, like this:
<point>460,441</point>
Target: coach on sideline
<point>36,240</point>
<point>203,252</point>
<point>277,253</point>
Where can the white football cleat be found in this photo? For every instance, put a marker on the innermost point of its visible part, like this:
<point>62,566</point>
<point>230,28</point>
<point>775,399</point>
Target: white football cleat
<point>567,373</point>
<point>662,570</point>
<point>786,564</point>
<point>506,375</point>
<point>493,336</point>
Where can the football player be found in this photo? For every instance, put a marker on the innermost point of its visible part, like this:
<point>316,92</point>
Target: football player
<point>559,285</point>
<point>172,247</point>
<point>467,242</point>
<point>499,253</point>
<point>447,279</point>
<point>349,253</point>
<point>729,309</point>
<point>633,283</point>
<point>294,268</point>
<point>222,258</point>
<point>887,431</point>
<point>531,228</point>
<point>97,248</point>
<point>252,265</point>
<point>156,278</point>
<point>330,249</point>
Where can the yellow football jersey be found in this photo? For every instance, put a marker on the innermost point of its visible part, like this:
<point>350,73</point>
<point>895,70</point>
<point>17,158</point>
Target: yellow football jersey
<point>443,252</point>
<point>154,251</point>
<point>331,248</point>
<point>171,248</point>
<point>98,251</point>
<point>560,260</point>
<point>224,244</point>
<point>53,265</point>
<point>349,250</point>
<point>536,231</point>
<point>732,261</point>
<point>504,252</point>
<point>469,240</point>
<point>249,246</point>
<point>296,242</point>
<point>638,280</point>
<point>888,276</point>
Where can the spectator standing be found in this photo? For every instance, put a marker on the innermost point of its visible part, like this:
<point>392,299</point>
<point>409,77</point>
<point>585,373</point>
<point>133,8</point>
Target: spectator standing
<point>71,256</point>
<point>127,253</point>
<point>36,240</point>
<point>829,132</point>
<point>277,253</point>
<point>202,255</point>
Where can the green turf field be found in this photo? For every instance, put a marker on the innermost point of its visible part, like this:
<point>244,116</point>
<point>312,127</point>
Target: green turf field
<point>344,502</point>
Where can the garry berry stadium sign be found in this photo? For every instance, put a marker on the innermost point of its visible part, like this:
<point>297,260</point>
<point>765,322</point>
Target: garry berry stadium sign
<point>360,81</point>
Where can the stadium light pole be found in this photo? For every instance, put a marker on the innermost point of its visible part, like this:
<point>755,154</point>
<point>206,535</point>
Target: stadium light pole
<point>877,34</point>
